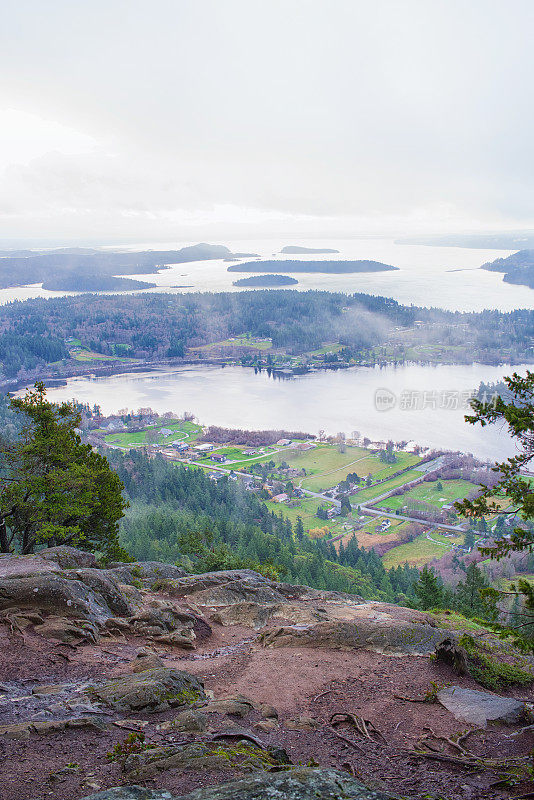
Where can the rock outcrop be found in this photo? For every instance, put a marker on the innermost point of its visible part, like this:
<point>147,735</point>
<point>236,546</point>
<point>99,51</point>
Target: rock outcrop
<point>301,783</point>
<point>373,633</point>
<point>149,691</point>
<point>136,672</point>
<point>54,594</point>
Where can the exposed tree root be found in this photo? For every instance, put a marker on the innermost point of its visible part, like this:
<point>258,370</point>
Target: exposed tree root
<point>364,727</point>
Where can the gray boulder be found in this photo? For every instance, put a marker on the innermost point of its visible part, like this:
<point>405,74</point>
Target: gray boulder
<point>479,708</point>
<point>300,783</point>
<point>12,566</point>
<point>105,584</point>
<point>145,570</point>
<point>191,584</point>
<point>150,690</point>
<point>55,594</point>
<point>392,636</point>
<point>68,557</point>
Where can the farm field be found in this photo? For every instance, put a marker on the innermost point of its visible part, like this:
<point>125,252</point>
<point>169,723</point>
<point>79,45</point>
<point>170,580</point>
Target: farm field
<point>181,430</point>
<point>85,355</point>
<point>239,341</point>
<point>369,537</point>
<point>366,495</point>
<point>306,510</point>
<point>326,349</point>
<point>326,466</point>
<point>235,454</point>
<point>428,492</point>
<point>420,551</point>
<point>506,584</point>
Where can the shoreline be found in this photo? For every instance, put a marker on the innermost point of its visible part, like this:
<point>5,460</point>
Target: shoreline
<point>103,370</point>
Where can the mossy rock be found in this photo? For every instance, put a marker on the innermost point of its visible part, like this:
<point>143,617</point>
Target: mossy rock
<point>242,755</point>
<point>372,633</point>
<point>299,783</point>
<point>491,670</point>
<point>150,690</point>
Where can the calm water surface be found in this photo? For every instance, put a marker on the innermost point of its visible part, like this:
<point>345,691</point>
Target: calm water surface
<point>236,397</point>
<point>446,277</point>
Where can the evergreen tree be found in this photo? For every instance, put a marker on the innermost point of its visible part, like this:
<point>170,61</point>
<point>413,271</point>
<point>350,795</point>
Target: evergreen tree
<point>429,589</point>
<point>470,597</point>
<point>56,490</point>
<point>469,539</point>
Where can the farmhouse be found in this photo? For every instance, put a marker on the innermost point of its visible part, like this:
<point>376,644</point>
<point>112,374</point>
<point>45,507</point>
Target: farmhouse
<point>283,442</point>
<point>302,447</point>
<point>203,448</point>
<point>280,498</point>
<point>218,457</point>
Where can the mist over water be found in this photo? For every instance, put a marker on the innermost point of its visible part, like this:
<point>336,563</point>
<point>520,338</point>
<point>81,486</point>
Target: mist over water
<point>343,400</point>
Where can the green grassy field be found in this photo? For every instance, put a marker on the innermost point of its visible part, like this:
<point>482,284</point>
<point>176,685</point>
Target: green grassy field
<point>372,527</point>
<point>181,430</point>
<point>231,453</point>
<point>306,510</point>
<point>420,551</point>
<point>365,495</point>
<point>429,493</point>
<point>239,341</point>
<point>326,349</point>
<point>246,461</point>
<point>506,584</point>
<point>326,466</point>
<point>89,355</point>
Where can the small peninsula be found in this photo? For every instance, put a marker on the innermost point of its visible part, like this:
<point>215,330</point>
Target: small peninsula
<point>266,281</point>
<point>296,250</point>
<point>518,268</point>
<point>327,267</point>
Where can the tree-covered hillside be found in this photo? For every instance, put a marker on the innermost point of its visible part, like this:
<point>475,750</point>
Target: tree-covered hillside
<point>160,326</point>
<point>178,514</point>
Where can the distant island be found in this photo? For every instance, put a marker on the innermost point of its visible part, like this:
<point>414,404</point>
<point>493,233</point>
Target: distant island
<point>266,281</point>
<point>295,250</point>
<point>518,268</point>
<point>93,283</point>
<point>328,267</point>
<point>19,268</point>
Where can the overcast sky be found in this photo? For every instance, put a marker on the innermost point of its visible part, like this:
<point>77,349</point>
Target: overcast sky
<point>168,119</point>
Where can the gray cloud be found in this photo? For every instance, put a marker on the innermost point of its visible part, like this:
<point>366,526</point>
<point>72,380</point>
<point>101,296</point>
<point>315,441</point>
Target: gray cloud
<point>344,112</point>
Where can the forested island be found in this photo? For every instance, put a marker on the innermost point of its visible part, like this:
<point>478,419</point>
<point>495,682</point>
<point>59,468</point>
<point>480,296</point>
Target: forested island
<point>266,281</point>
<point>73,282</point>
<point>328,267</point>
<point>56,267</point>
<point>46,338</point>
<point>518,268</point>
<point>292,249</point>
